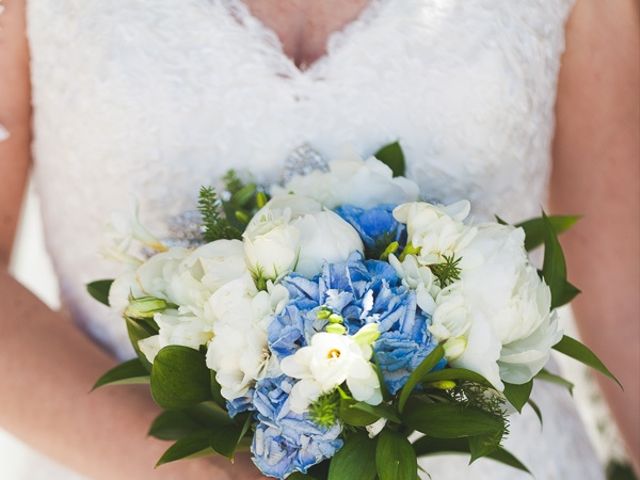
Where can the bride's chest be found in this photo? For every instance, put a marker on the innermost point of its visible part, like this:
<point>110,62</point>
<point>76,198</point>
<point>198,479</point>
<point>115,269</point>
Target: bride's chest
<point>187,89</point>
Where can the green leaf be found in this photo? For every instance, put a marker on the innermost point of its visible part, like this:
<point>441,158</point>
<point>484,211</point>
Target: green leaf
<point>194,445</point>
<point>576,350</point>
<point>100,290</point>
<point>395,457</point>
<point>455,374</point>
<point>554,268</point>
<point>136,333</point>
<point>535,229</point>
<point>518,394</point>
<point>536,409</point>
<point>448,420</point>
<point>174,425</point>
<point>179,378</point>
<point>225,440</point>
<point>379,411</point>
<point>483,445</point>
<point>216,390</point>
<point>130,372</point>
<point>426,446</point>
<point>393,157</point>
<point>355,416</point>
<point>242,196</point>
<point>547,376</point>
<point>355,460</point>
<point>418,375</point>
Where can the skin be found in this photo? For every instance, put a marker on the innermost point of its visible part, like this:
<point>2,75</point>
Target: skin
<point>596,173</point>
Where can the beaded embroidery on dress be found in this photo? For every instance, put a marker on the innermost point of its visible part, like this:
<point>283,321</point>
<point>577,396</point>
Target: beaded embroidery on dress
<point>158,97</point>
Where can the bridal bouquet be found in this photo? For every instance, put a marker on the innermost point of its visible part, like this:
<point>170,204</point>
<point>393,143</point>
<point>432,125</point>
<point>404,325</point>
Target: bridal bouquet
<point>321,323</point>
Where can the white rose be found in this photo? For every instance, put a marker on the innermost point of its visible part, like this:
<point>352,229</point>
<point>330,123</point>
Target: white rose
<point>352,180</point>
<point>155,275</point>
<point>324,237</point>
<point>204,271</point>
<point>175,329</point>
<point>329,361</point>
<point>271,243</point>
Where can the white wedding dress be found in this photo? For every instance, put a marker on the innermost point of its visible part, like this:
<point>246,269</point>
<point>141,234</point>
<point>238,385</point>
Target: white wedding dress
<point>154,98</point>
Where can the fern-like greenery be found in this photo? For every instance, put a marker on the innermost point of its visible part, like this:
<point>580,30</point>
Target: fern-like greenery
<point>215,224</point>
<point>448,271</point>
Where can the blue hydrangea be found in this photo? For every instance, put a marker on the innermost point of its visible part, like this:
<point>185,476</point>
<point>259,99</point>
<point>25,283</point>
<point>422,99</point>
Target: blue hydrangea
<point>377,226</point>
<point>286,442</point>
<point>362,291</point>
<point>240,404</point>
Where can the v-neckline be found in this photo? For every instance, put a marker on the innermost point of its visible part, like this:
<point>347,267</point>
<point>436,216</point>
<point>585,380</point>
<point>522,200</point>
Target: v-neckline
<point>267,38</point>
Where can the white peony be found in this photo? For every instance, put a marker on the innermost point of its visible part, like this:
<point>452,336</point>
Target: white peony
<point>438,231</point>
<point>175,329</point>
<point>324,237</point>
<point>330,360</point>
<point>238,351</point>
<point>354,181</point>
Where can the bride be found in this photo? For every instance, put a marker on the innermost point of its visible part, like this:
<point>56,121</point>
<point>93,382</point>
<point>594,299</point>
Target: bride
<point>155,97</point>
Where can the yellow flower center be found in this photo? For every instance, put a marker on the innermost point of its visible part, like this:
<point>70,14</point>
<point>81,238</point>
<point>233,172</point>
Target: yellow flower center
<point>333,353</point>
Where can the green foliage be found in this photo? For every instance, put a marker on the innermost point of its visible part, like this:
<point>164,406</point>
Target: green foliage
<point>547,376</point>
<point>393,157</point>
<point>417,376</point>
<point>395,457</point>
<point>193,445</point>
<point>455,374</point>
<point>576,350</point>
<point>225,440</point>
<point>130,372</point>
<point>518,395</point>
<point>554,268</point>
<point>324,411</point>
<point>137,331</point>
<point>100,290</point>
<point>450,420</point>
<point>352,415</point>
<point>448,271</point>
<point>180,378</point>
<point>535,228</point>
<point>177,424</point>
<point>232,182</point>
<point>427,446</point>
<point>355,460</point>
<point>215,223</point>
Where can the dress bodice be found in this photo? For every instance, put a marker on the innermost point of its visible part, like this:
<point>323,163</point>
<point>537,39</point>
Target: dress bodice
<point>157,97</point>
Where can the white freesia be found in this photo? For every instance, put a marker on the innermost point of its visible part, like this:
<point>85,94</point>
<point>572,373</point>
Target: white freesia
<point>438,231</point>
<point>352,180</point>
<point>238,352</point>
<point>330,360</point>
<point>175,329</point>
<point>373,429</point>
<point>452,317</point>
<point>419,278</point>
<point>324,237</point>
<point>122,230</point>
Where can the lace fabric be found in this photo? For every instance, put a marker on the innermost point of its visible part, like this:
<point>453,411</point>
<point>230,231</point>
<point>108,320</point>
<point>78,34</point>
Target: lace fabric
<point>154,98</point>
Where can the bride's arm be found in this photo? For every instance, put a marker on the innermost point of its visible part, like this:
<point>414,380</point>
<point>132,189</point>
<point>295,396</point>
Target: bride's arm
<point>597,173</point>
<point>48,366</point>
